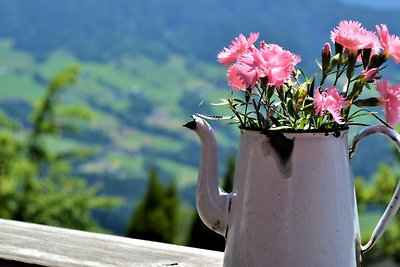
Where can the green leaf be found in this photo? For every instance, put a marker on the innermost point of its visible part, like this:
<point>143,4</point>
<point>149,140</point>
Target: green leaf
<point>291,109</point>
<point>223,102</point>
<point>239,101</point>
<point>368,102</point>
<point>215,117</point>
<point>275,121</point>
<point>318,64</point>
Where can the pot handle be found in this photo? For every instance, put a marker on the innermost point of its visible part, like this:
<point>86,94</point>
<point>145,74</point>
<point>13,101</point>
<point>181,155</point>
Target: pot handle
<point>395,201</point>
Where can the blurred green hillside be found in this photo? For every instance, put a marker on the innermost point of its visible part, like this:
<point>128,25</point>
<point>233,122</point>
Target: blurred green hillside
<point>137,121</point>
<point>146,67</point>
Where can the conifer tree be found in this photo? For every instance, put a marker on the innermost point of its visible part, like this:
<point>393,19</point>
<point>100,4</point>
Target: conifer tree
<point>155,216</point>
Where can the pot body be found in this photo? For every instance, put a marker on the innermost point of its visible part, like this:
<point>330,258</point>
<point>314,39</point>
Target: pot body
<point>293,202</point>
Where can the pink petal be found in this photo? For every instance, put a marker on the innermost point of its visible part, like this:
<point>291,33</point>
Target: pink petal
<point>370,74</point>
<point>238,46</point>
<point>331,101</point>
<point>279,64</point>
<point>351,35</point>
<point>389,43</point>
<point>390,100</point>
<point>233,79</point>
<point>251,65</point>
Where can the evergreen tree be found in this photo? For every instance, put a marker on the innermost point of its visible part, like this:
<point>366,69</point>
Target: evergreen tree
<point>155,217</point>
<point>229,175</point>
<point>200,235</point>
<point>36,184</point>
<point>171,204</point>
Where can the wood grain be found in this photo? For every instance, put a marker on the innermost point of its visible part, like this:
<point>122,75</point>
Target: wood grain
<point>51,246</point>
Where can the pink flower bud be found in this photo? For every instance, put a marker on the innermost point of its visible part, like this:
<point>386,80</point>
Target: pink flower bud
<point>326,50</point>
<point>326,58</point>
<point>370,74</point>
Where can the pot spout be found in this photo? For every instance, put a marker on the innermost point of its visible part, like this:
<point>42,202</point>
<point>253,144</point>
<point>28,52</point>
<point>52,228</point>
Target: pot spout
<point>211,200</point>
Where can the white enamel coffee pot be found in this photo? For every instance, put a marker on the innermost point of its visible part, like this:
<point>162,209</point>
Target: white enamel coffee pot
<point>293,201</point>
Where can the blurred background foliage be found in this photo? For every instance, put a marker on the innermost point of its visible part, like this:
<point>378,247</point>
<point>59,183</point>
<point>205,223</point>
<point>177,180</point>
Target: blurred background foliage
<point>156,216</point>
<point>36,183</point>
<point>100,154</point>
<point>373,197</point>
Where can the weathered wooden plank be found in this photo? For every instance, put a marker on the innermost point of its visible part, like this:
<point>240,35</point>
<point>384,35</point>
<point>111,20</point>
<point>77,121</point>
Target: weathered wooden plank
<point>51,246</point>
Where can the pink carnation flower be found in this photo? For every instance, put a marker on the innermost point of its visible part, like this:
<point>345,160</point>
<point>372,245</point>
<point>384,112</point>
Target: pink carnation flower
<point>271,61</point>
<point>331,101</point>
<point>351,35</point>
<point>239,46</point>
<point>251,67</point>
<point>390,100</point>
<point>279,64</point>
<point>389,43</point>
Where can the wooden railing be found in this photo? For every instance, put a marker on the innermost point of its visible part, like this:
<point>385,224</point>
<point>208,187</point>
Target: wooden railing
<point>26,244</point>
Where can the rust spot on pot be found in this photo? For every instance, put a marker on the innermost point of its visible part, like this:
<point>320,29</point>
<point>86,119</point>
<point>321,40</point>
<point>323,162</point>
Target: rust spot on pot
<point>280,148</point>
<point>282,145</point>
<point>336,134</point>
<point>216,225</point>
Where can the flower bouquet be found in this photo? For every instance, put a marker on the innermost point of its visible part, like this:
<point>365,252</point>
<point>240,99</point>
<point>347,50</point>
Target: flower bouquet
<point>276,95</point>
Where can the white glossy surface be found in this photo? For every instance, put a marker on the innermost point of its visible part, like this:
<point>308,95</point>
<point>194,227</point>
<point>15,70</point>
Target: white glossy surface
<point>211,201</point>
<point>303,214</point>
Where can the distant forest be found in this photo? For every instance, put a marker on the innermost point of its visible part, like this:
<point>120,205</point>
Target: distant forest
<point>101,29</point>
